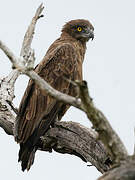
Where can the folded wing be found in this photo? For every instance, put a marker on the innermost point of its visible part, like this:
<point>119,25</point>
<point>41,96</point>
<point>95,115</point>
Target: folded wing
<point>36,105</point>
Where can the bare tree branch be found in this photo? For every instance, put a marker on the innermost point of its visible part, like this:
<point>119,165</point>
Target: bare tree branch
<point>5,122</point>
<point>26,50</point>
<point>123,171</point>
<point>107,135</point>
<point>71,138</point>
<point>80,141</point>
<point>7,83</point>
<point>26,45</point>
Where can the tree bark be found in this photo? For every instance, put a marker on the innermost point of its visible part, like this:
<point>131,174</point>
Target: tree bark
<point>71,138</point>
<point>123,171</point>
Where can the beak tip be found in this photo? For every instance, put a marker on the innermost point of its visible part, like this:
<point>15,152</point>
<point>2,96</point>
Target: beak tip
<point>92,37</point>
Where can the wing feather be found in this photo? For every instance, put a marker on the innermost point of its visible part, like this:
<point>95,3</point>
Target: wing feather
<point>34,105</point>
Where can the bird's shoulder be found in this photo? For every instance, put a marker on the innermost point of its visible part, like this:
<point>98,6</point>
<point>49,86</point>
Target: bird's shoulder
<point>60,58</point>
<point>58,52</point>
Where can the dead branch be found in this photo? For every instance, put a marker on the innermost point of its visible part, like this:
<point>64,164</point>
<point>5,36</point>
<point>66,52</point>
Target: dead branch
<point>123,171</point>
<point>107,135</point>
<point>26,51</point>
<point>71,138</point>
<point>7,83</point>
<point>26,45</point>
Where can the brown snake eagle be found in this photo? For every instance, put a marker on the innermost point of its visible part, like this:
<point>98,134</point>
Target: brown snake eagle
<point>37,111</point>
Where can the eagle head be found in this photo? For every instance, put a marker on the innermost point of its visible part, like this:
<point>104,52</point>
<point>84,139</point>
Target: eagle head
<point>79,29</point>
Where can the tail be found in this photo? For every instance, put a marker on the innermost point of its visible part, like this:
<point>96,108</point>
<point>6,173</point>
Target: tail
<point>28,148</point>
<point>26,156</point>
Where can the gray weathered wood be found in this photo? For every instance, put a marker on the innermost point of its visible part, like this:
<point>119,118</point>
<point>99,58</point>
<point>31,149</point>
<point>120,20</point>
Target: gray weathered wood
<point>71,138</point>
<point>123,171</point>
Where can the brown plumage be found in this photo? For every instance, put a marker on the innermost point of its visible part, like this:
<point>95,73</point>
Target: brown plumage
<point>38,111</point>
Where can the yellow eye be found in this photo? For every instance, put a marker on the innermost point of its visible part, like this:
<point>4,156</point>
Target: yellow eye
<point>79,29</point>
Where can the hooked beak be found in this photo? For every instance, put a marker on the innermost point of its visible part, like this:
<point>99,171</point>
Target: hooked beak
<point>90,34</point>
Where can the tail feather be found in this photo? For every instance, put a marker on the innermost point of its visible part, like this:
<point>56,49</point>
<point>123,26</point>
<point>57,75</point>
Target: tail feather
<point>28,148</point>
<point>26,156</point>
